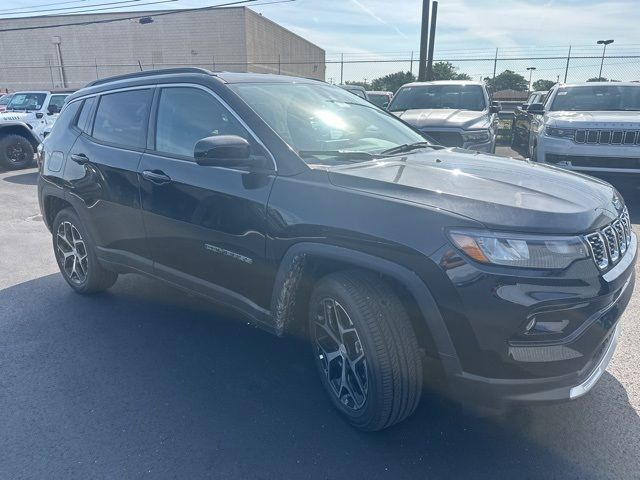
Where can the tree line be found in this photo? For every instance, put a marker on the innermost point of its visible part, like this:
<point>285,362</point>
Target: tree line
<point>507,80</point>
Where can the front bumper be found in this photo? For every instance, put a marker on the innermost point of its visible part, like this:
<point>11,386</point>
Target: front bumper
<point>502,363</point>
<point>605,159</point>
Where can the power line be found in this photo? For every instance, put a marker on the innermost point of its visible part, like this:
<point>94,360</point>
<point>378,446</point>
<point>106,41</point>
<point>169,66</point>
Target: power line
<point>91,10</point>
<point>69,8</point>
<point>41,5</point>
<point>137,17</point>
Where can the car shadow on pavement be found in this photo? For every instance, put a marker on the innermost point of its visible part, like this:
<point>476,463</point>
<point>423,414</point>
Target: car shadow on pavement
<point>144,379</point>
<point>23,178</point>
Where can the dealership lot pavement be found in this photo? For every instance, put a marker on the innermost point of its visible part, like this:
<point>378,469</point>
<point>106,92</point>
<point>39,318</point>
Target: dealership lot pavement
<point>147,382</point>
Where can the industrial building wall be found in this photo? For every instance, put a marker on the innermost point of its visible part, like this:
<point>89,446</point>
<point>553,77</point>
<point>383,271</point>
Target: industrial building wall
<point>213,39</point>
<point>274,49</point>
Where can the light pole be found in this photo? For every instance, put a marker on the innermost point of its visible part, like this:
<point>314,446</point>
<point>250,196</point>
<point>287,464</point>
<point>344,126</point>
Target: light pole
<point>604,44</point>
<point>531,69</point>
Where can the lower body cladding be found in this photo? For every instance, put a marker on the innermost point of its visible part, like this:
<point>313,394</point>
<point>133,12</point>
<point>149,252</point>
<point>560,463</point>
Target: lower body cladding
<point>588,158</point>
<point>535,339</point>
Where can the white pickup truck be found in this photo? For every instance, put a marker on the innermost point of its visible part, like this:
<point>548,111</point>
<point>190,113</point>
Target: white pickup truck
<point>23,124</point>
<point>589,127</point>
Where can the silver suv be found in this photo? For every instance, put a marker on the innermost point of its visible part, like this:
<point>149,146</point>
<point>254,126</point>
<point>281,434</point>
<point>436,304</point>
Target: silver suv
<point>590,127</point>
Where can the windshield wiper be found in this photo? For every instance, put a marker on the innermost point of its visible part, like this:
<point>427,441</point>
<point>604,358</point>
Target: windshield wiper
<point>408,147</point>
<point>346,154</point>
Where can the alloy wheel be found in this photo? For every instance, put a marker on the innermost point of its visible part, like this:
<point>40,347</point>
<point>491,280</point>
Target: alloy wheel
<point>340,354</point>
<point>16,153</point>
<point>72,253</point>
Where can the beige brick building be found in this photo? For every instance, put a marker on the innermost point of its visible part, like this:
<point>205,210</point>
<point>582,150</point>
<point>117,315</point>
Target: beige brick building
<point>232,39</point>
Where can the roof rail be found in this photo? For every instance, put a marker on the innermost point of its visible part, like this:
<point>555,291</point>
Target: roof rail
<point>148,73</point>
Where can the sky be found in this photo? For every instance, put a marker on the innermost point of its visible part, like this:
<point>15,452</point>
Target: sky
<point>389,29</point>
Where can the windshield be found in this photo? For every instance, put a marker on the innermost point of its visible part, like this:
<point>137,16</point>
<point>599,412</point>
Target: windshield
<point>597,98</point>
<point>27,101</point>
<point>464,97</point>
<point>318,117</point>
<point>379,99</point>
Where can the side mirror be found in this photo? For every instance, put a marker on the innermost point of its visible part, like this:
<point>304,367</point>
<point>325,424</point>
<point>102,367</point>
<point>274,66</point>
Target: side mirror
<point>385,105</point>
<point>222,151</point>
<point>536,108</point>
<point>494,109</point>
<point>53,109</point>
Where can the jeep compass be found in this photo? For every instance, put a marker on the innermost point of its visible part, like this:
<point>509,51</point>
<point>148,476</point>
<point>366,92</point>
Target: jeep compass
<point>308,209</point>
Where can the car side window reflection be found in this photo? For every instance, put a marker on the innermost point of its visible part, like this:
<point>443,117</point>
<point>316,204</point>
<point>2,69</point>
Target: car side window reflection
<point>186,115</point>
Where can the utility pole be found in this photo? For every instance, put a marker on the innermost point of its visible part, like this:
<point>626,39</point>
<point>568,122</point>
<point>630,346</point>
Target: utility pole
<point>604,43</point>
<point>424,36</point>
<point>495,64</point>
<point>342,69</point>
<point>566,70</point>
<point>432,40</point>
<point>411,64</point>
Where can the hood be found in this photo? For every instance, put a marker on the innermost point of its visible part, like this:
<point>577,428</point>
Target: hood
<point>425,118</point>
<point>594,119</point>
<point>500,193</point>
<point>15,116</point>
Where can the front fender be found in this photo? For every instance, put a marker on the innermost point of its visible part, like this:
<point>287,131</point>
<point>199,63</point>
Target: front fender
<point>20,128</point>
<point>291,271</point>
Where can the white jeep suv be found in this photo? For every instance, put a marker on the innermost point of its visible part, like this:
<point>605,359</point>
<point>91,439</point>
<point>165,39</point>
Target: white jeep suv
<point>24,123</point>
<point>589,127</point>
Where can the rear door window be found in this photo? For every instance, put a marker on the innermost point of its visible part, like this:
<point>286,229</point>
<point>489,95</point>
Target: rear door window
<point>122,118</point>
<point>83,122</point>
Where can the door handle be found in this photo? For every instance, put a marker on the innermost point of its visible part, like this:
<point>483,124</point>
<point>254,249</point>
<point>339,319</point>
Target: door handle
<point>156,176</point>
<point>80,158</point>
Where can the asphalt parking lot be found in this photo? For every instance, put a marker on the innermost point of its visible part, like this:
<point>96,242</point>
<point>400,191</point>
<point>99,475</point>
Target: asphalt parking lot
<point>147,382</point>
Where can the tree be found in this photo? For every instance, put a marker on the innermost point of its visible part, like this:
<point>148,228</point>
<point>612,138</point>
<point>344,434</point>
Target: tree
<point>598,79</point>
<point>447,71</point>
<point>507,80</point>
<point>393,81</point>
<point>543,84</point>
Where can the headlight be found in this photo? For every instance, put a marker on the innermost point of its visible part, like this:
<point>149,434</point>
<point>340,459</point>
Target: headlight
<point>560,132</point>
<point>476,136</point>
<point>516,250</point>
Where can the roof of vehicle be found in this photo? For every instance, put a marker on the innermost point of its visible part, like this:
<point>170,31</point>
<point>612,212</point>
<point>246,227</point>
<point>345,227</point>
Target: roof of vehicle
<point>378,92</point>
<point>600,84</point>
<point>227,77</point>
<point>444,82</point>
<point>540,92</point>
<point>55,92</point>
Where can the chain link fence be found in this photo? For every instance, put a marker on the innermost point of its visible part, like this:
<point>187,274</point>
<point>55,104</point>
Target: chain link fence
<point>577,65</point>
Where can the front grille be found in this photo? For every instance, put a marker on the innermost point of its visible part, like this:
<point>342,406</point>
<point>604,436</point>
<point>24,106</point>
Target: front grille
<point>609,244</point>
<point>607,137</point>
<point>448,139</point>
<point>593,161</point>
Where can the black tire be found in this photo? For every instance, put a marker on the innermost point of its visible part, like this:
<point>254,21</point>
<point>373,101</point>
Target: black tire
<point>16,152</point>
<point>90,276</point>
<point>393,368</point>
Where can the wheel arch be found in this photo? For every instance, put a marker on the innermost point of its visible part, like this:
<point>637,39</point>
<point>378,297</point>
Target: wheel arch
<point>52,205</point>
<point>304,263</point>
<point>22,129</point>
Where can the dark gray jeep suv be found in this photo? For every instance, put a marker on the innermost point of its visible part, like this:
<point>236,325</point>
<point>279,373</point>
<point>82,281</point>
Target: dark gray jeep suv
<point>311,210</point>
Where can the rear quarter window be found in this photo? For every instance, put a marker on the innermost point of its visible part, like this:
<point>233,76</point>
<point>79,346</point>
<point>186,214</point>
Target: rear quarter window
<point>122,117</point>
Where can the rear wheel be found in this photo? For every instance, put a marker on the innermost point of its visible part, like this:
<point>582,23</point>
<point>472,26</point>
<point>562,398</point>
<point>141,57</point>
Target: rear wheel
<point>365,349</point>
<point>75,254</point>
<point>16,152</point>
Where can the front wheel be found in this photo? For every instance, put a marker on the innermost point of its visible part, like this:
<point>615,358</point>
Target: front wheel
<point>365,349</point>
<point>16,152</point>
<point>75,253</point>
